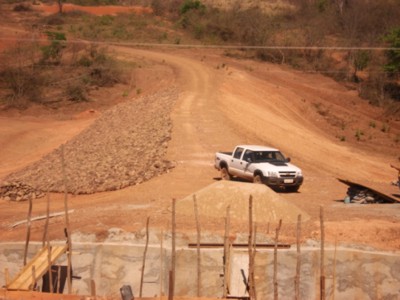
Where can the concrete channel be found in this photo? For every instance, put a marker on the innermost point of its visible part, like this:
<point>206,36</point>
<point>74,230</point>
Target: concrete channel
<point>350,273</point>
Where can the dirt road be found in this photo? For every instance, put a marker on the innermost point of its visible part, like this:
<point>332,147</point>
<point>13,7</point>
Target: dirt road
<point>223,102</point>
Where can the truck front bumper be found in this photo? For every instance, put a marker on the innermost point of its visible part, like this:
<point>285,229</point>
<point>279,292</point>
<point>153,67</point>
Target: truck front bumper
<point>276,181</point>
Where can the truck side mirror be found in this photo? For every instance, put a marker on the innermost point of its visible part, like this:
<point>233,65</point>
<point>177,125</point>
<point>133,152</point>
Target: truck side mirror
<point>287,159</point>
<point>249,160</point>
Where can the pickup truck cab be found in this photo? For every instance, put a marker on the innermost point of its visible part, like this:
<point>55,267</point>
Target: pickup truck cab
<point>261,165</point>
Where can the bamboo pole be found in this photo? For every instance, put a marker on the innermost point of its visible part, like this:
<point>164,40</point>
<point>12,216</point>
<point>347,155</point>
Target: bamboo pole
<point>322,266</point>
<point>28,230</point>
<point>226,254</point>
<point>298,260</point>
<point>276,260</point>
<point>144,257</point>
<point>196,214</point>
<point>67,229</point>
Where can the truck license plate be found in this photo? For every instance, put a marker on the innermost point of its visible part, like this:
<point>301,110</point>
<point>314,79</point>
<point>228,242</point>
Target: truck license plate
<point>288,180</point>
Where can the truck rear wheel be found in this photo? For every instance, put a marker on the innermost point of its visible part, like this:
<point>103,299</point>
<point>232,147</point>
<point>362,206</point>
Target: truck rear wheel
<point>225,174</point>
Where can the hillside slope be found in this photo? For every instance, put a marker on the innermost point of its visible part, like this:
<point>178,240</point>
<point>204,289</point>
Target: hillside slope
<point>217,108</point>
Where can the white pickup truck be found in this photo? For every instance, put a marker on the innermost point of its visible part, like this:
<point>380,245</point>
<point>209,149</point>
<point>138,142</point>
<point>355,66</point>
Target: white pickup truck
<point>261,165</point>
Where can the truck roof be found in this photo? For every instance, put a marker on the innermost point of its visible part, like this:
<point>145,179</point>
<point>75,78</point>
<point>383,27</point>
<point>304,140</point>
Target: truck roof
<point>258,148</point>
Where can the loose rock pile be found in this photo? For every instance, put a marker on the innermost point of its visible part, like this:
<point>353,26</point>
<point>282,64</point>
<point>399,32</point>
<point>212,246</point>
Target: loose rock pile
<point>18,191</point>
<point>125,146</point>
<point>362,196</point>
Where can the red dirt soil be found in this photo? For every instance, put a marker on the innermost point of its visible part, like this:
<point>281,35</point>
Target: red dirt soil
<point>223,102</point>
<point>98,11</point>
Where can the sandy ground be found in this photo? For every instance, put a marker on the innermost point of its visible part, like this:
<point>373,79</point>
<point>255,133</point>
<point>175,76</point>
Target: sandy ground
<point>223,102</point>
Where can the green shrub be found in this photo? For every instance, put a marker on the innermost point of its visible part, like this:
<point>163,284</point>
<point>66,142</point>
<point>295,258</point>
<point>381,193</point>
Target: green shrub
<point>359,133</point>
<point>189,5</point>
<point>25,85</point>
<point>76,92</point>
<point>52,53</point>
<point>22,7</point>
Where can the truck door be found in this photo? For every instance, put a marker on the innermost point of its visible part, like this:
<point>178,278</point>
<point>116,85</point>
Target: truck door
<point>247,168</point>
<point>235,166</point>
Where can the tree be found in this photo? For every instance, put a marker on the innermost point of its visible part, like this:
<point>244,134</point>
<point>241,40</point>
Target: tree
<point>360,61</point>
<point>52,53</point>
<point>393,55</point>
<point>60,4</point>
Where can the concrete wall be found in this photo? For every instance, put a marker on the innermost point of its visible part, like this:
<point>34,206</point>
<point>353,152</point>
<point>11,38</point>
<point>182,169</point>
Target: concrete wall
<point>354,274</point>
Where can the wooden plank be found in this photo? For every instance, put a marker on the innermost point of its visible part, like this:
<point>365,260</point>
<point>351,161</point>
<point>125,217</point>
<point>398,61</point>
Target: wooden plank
<point>42,217</point>
<point>383,192</point>
<point>40,263</point>
<point>238,245</point>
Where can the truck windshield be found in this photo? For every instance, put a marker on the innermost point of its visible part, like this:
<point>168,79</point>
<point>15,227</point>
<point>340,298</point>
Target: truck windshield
<point>268,156</point>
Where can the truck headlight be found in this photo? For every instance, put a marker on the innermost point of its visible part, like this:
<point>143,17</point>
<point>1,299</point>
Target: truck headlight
<point>272,174</point>
<point>299,174</point>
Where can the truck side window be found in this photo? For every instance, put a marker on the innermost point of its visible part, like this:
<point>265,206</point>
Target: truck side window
<point>248,154</point>
<point>238,153</point>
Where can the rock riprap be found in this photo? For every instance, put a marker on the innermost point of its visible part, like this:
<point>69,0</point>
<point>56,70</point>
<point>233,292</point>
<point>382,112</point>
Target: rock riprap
<point>125,146</point>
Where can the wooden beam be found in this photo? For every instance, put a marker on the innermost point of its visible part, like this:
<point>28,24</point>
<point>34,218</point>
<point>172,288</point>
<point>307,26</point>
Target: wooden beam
<point>40,263</point>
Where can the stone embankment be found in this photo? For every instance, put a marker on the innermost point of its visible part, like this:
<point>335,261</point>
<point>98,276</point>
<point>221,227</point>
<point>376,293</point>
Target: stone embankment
<point>125,146</point>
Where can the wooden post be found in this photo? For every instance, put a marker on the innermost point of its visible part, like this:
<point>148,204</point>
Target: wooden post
<point>173,254</point>
<point>58,279</point>
<point>144,257</point>
<point>46,240</point>
<point>46,224</point>
<point>276,260</point>
<point>28,230</point>
<point>226,253</point>
<point>250,251</point>
<point>322,277</point>
<point>49,268</point>
<point>92,288</point>
<point>33,284</point>
<point>7,277</point>
<point>334,271</point>
<point>196,214</point>
<point>298,260</point>
<point>67,229</point>
<point>161,263</point>
<point>171,286</point>
<point>253,258</point>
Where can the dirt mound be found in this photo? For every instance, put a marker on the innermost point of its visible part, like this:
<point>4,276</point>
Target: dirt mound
<point>124,147</point>
<point>268,206</point>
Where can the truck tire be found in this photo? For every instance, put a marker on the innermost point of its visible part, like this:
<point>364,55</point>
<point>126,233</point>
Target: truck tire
<point>258,179</point>
<point>225,174</point>
<point>292,189</point>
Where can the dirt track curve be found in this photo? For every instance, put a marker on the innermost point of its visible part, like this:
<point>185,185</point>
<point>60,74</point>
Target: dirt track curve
<point>223,102</point>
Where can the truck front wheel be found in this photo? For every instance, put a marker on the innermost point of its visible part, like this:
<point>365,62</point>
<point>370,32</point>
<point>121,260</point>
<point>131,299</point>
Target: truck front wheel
<point>225,174</point>
<point>258,179</point>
